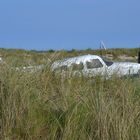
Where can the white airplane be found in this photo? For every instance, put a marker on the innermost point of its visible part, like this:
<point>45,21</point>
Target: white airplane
<point>93,65</point>
<point>30,69</point>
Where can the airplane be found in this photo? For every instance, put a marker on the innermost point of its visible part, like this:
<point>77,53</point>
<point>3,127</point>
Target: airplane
<point>93,65</point>
<point>89,66</point>
<point>30,69</point>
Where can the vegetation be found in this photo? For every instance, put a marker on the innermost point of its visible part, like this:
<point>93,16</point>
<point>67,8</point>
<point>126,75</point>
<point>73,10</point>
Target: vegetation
<point>41,106</point>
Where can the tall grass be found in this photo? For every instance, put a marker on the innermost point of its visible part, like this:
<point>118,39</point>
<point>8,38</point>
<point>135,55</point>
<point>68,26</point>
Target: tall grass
<point>35,106</point>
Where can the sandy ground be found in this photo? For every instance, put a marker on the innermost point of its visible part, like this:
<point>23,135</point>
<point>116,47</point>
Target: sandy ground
<point>122,57</point>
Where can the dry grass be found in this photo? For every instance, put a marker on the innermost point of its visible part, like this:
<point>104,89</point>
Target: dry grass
<point>41,106</point>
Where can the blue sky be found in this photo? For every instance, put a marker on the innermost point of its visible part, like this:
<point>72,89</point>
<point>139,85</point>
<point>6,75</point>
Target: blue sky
<point>67,24</point>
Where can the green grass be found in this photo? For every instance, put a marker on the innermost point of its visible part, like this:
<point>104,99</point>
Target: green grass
<point>41,106</point>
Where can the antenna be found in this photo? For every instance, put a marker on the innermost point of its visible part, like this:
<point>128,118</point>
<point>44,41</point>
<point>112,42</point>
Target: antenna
<point>102,45</point>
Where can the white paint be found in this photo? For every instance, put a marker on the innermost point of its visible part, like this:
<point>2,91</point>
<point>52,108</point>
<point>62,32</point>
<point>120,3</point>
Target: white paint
<point>30,68</point>
<point>119,68</point>
<point>1,60</point>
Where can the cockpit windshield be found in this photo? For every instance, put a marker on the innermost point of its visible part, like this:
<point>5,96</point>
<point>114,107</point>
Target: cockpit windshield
<point>107,62</point>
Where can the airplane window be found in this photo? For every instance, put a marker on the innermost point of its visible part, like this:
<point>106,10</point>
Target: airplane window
<point>94,63</point>
<point>64,67</point>
<point>108,63</point>
<point>59,69</point>
<point>77,66</point>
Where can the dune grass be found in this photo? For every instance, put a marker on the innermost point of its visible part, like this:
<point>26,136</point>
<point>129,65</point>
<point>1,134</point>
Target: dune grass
<point>41,106</point>
<point>44,106</point>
